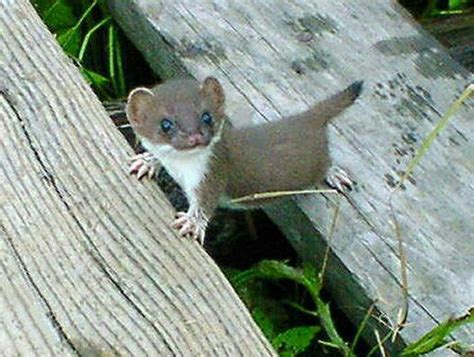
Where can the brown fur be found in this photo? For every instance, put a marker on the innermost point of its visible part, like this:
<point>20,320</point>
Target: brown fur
<point>289,154</point>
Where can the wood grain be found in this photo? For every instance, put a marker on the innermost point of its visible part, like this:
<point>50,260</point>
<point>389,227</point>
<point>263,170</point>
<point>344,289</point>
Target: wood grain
<point>88,265</point>
<point>278,57</point>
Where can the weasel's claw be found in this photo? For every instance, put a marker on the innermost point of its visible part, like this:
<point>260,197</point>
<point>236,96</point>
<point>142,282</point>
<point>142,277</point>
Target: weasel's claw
<point>134,166</point>
<point>186,230</point>
<point>339,179</point>
<point>181,219</point>
<point>142,171</point>
<point>143,165</point>
<point>151,172</point>
<point>190,225</point>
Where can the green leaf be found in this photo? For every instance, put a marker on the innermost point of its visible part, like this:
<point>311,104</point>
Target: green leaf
<point>88,36</point>
<point>70,41</point>
<point>330,329</point>
<point>59,16</point>
<point>454,4</point>
<point>312,279</point>
<point>295,340</point>
<point>94,78</point>
<point>308,277</point>
<point>272,269</point>
<point>264,320</point>
<point>269,314</point>
<point>437,336</point>
<point>121,86</point>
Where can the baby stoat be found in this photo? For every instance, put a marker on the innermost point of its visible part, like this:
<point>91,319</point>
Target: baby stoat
<point>183,126</point>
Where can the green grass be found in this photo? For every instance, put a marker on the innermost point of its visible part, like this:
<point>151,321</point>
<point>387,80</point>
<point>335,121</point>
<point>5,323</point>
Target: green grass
<point>437,8</point>
<point>294,340</point>
<point>308,278</point>
<point>87,33</point>
<point>437,337</point>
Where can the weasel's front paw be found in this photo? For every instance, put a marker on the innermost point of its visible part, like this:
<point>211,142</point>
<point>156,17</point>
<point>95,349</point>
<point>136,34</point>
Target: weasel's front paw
<point>143,165</point>
<point>191,225</point>
<point>339,179</point>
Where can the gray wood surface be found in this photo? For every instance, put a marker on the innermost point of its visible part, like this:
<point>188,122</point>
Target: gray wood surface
<point>88,263</point>
<point>277,57</point>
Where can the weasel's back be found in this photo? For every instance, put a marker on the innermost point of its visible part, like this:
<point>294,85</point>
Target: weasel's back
<point>287,154</point>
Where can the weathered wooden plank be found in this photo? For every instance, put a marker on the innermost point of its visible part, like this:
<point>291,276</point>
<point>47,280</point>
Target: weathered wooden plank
<point>276,58</point>
<point>88,264</point>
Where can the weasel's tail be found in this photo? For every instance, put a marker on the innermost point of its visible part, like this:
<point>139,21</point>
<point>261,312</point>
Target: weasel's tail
<point>335,105</point>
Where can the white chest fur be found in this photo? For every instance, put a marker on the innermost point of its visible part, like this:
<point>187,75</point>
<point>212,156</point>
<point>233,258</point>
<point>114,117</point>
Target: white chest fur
<point>186,167</point>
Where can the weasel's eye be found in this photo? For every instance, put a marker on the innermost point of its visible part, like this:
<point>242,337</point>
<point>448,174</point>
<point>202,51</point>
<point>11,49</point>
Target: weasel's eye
<point>166,125</point>
<point>206,118</point>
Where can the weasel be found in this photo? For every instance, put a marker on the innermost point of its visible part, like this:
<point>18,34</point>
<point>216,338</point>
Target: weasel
<point>183,126</point>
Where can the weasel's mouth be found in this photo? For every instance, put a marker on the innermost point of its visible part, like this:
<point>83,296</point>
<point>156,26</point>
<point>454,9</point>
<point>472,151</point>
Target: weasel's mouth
<point>195,147</point>
<point>190,143</point>
<point>196,140</point>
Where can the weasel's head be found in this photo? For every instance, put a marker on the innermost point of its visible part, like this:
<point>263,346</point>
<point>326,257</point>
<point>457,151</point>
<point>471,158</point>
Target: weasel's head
<point>180,114</point>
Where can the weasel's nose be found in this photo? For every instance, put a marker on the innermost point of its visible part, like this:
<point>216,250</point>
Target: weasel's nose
<point>196,139</point>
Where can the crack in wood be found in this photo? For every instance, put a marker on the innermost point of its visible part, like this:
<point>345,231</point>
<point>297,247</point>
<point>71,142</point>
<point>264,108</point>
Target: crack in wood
<point>47,176</point>
<point>49,314</point>
<point>94,252</point>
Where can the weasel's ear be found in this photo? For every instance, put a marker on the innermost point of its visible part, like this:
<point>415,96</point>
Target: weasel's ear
<point>137,105</point>
<point>212,89</point>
